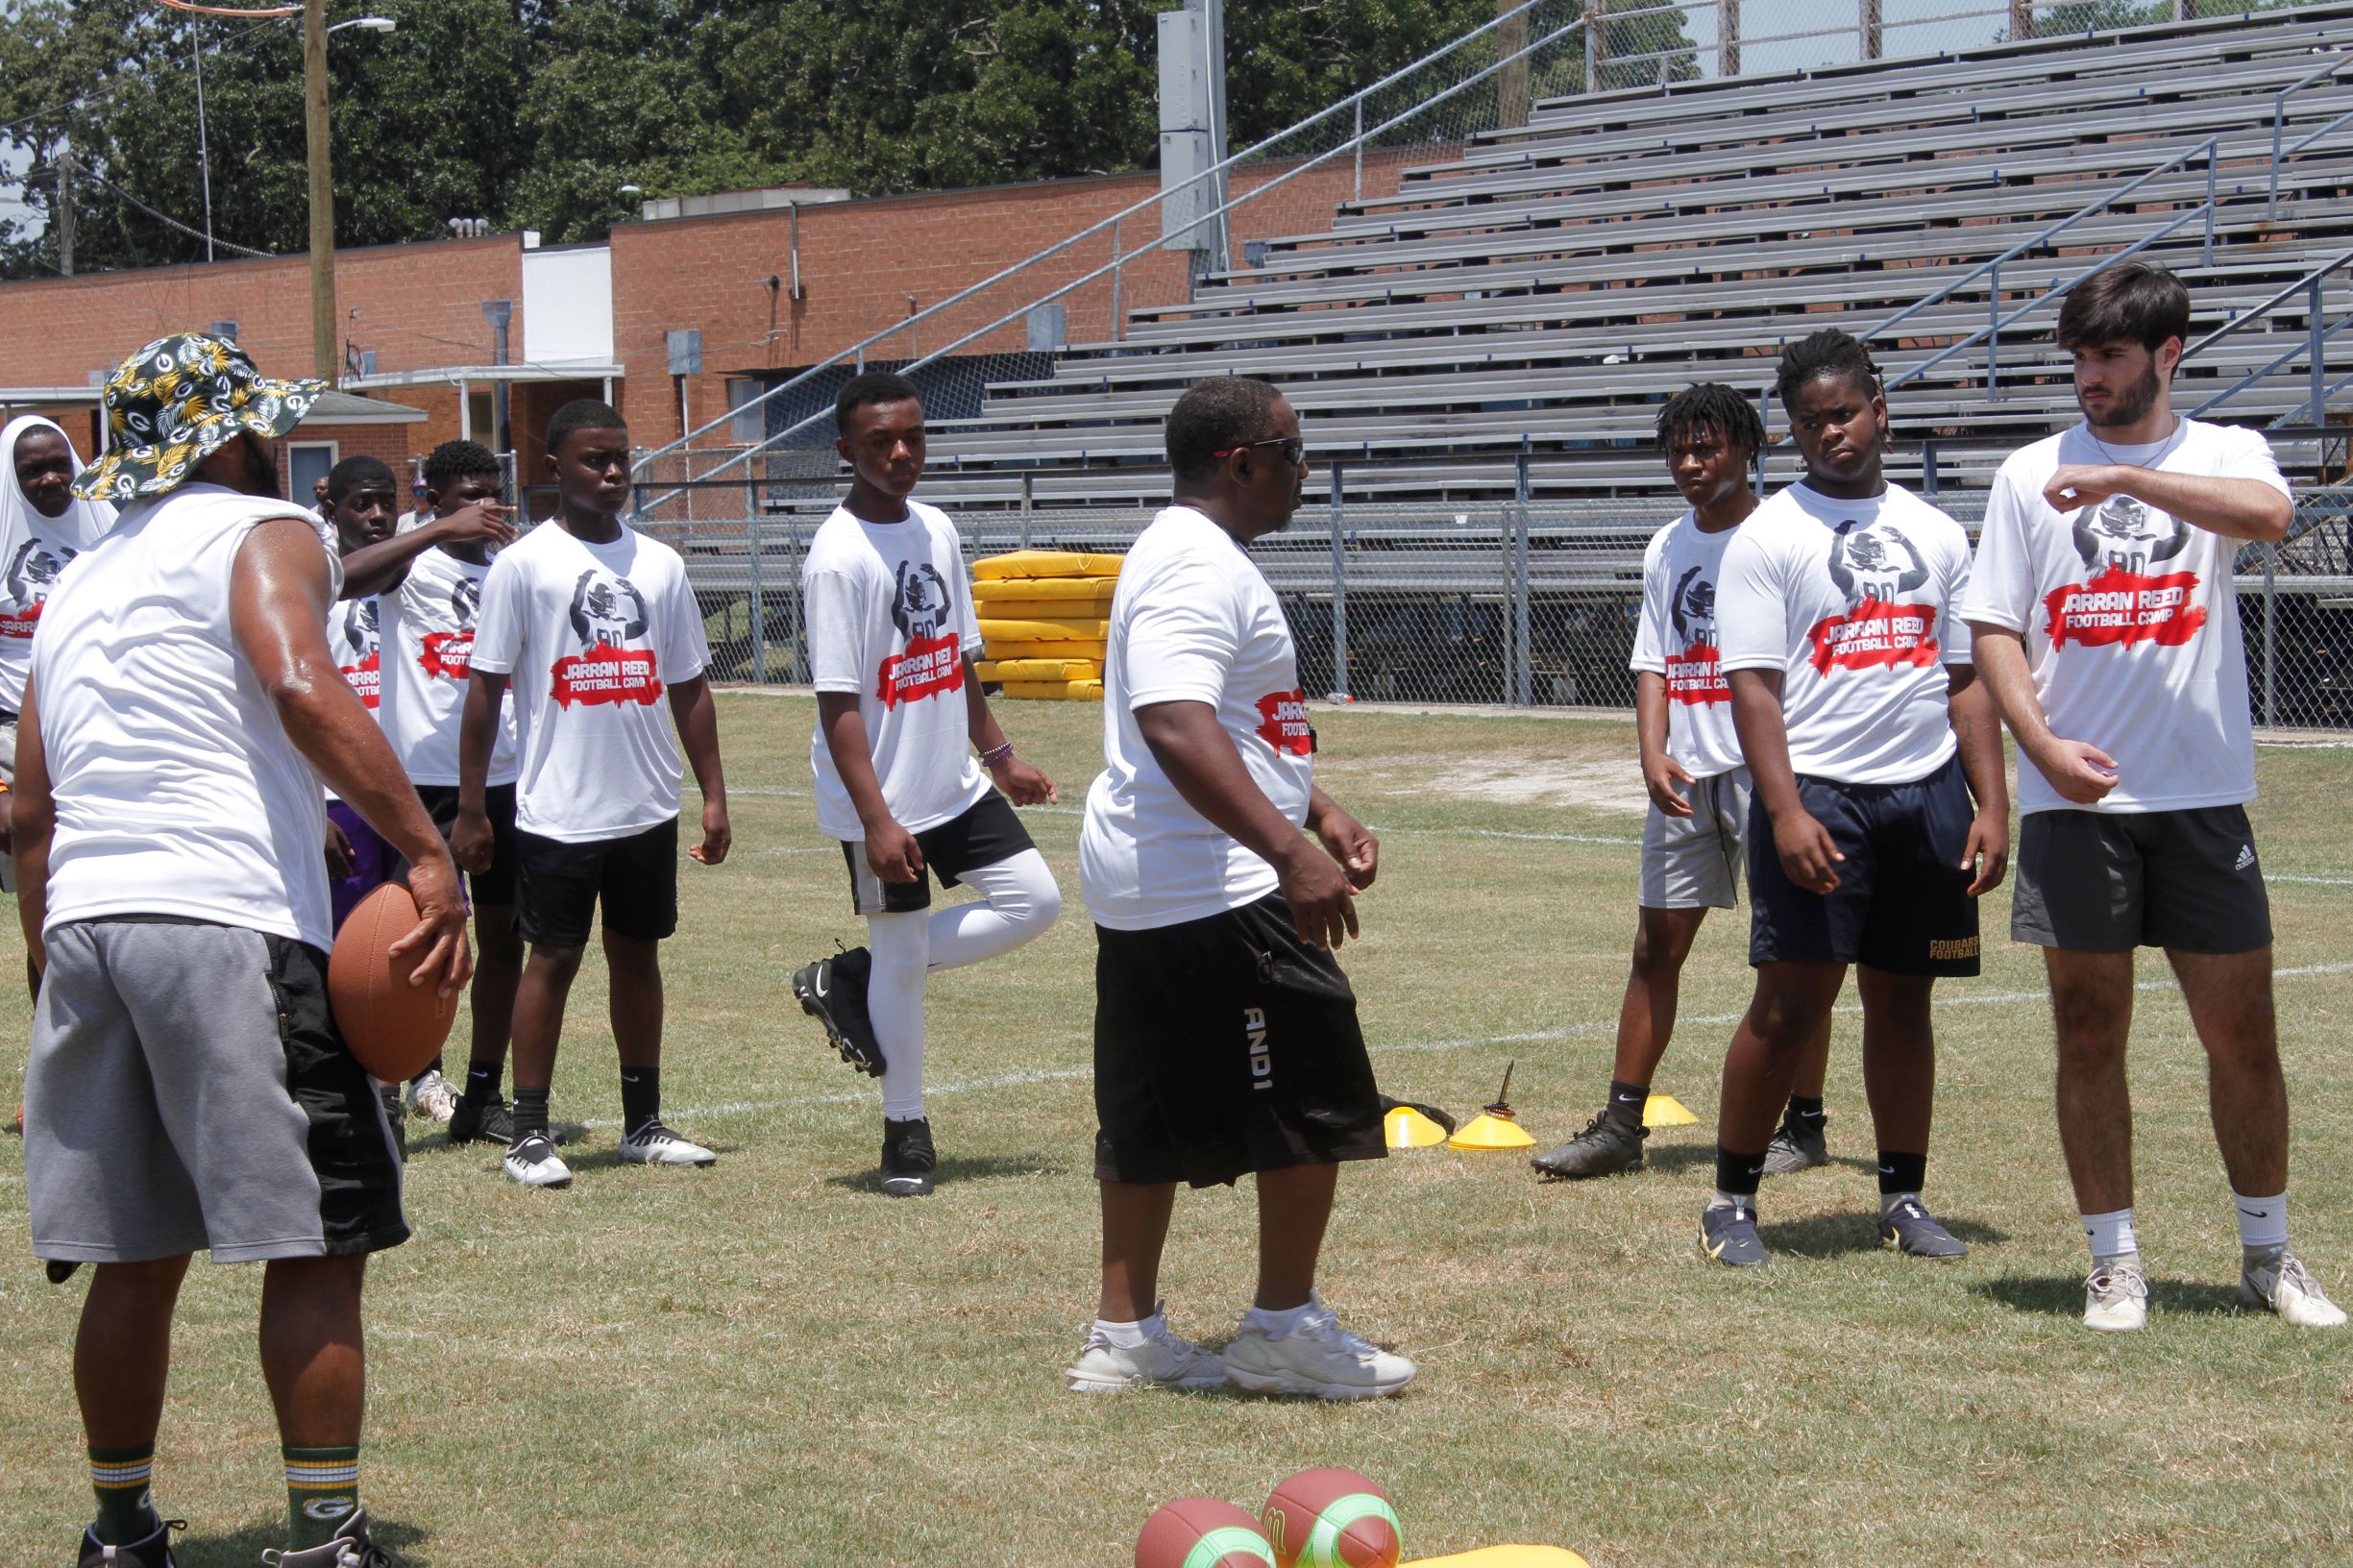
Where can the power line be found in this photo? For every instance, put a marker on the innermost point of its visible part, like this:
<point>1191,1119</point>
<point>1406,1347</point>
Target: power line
<point>172,222</point>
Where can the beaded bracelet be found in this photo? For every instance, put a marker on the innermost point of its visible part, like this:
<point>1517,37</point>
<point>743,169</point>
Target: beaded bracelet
<point>990,758</point>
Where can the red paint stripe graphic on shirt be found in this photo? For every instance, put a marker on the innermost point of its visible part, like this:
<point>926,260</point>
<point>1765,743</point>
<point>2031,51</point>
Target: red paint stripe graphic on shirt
<point>1875,634</point>
<point>1696,675</point>
<point>366,678</point>
<point>1284,724</point>
<point>19,624</point>
<point>607,674</point>
<point>447,655</point>
<point>2119,608</point>
<point>930,666</point>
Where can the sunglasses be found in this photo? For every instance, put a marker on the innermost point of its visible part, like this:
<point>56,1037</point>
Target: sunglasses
<point>1293,448</point>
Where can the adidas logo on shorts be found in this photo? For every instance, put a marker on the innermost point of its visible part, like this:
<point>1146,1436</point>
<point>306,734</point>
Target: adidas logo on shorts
<point>2246,857</point>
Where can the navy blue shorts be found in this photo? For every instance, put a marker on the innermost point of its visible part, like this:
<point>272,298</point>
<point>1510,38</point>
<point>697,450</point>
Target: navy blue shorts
<point>1902,903</point>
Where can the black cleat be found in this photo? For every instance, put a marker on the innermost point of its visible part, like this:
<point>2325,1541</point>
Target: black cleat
<point>1728,1236</point>
<point>1605,1148</point>
<point>492,1123</point>
<point>1798,1146</point>
<point>907,1159</point>
<point>832,990</point>
<point>155,1552</point>
<point>1909,1228</point>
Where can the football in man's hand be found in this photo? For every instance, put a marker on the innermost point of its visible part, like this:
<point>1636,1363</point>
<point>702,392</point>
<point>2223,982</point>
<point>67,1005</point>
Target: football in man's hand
<point>394,1027</point>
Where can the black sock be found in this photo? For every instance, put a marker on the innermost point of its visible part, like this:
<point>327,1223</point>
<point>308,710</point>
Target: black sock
<point>1901,1172</point>
<point>1737,1174</point>
<point>530,1113</point>
<point>483,1082</point>
<point>641,1096</point>
<point>1625,1102</point>
<point>1807,1111</point>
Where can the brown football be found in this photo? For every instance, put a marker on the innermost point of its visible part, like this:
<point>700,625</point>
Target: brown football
<point>1178,1529</point>
<point>1331,1519</point>
<point>393,1027</point>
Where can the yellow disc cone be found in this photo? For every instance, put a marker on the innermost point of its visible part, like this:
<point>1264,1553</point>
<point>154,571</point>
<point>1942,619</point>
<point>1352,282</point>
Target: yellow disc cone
<point>1406,1128</point>
<point>1665,1110</point>
<point>1493,1131</point>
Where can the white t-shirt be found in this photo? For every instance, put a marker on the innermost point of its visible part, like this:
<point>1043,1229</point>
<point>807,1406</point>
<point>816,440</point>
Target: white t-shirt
<point>426,654</point>
<point>1676,639</point>
<point>1193,621</point>
<point>891,617</point>
<point>177,790</point>
<point>32,551</point>
<point>1856,603</point>
<point>593,635</point>
<point>2129,620</point>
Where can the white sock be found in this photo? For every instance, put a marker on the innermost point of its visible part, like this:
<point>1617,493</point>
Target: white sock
<point>1019,901</point>
<point>2111,1236</point>
<point>2263,1222</point>
<point>902,945</point>
<point>1889,1201</point>
<point>1276,1325</point>
<point>1130,1336</point>
<point>1732,1200</point>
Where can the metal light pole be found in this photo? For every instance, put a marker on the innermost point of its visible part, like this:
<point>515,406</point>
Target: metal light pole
<point>204,144</point>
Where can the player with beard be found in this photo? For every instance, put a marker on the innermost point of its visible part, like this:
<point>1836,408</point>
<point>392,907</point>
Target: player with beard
<point>2108,630</point>
<point>427,586</point>
<point>1691,844</point>
<point>1867,735</point>
<point>594,624</point>
<point>1226,1036</point>
<point>893,638</point>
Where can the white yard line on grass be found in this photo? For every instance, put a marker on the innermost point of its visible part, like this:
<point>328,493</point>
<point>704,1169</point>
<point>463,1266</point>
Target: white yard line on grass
<point>1595,1026</point>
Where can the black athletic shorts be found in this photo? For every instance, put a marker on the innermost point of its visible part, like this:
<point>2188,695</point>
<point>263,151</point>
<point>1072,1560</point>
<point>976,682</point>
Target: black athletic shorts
<point>559,885</point>
<point>2110,881</point>
<point>1902,903</point>
<point>496,886</point>
<point>1223,1046</point>
<point>988,832</point>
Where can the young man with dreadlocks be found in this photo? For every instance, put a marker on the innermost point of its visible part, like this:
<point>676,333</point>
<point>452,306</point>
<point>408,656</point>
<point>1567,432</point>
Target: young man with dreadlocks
<point>1698,786</point>
<point>1866,734</point>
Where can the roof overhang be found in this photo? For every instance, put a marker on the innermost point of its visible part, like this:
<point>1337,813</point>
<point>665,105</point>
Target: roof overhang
<point>459,375</point>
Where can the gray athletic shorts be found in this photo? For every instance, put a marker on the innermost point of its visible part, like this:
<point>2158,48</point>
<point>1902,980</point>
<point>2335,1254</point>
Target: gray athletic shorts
<point>1694,862</point>
<point>2110,881</point>
<point>187,1090</point>
<point>8,776</point>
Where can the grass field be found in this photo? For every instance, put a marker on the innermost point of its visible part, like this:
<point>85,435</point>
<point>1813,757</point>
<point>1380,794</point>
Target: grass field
<point>768,1363</point>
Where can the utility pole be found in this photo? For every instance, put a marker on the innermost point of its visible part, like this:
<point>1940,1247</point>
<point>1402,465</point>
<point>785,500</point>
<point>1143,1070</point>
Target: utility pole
<point>325,360</point>
<point>65,210</point>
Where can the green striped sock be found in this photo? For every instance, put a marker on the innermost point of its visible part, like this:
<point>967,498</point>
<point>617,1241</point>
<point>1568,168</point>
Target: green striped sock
<point>322,1492</point>
<point>119,1477</point>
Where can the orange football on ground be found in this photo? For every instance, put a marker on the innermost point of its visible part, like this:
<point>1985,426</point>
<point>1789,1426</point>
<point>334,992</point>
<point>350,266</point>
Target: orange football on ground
<point>394,1028</point>
<point>1201,1533</point>
<point>1331,1519</point>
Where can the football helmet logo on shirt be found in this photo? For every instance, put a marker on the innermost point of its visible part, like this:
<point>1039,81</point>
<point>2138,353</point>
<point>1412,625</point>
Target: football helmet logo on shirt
<point>34,571</point>
<point>921,602</point>
<point>2122,532</point>
<point>605,610</point>
<point>1693,608</point>
<point>466,600</point>
<point>360,632</point>
<point>1874,562</point>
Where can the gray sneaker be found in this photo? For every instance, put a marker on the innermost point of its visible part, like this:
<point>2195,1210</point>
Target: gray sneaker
<point>1910,1229</point>
<point>2281,1284</point>
<point>349,1549</point>
<point>2115,1298</point>
<point>155,1552</point>
<point>1797,1147</point>
<point>1728,1236</point>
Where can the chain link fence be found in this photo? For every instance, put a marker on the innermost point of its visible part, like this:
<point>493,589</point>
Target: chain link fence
<point>1494,603</point>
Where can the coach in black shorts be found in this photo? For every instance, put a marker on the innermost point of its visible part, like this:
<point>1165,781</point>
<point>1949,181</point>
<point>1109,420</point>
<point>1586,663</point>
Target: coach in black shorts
<point>1866,738</point>
<point>2109,632</point>
<point>1226,1038</point>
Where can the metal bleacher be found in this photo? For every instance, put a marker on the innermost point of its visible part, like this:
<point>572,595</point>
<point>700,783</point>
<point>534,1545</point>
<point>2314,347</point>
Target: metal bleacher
<point>1538,290</point>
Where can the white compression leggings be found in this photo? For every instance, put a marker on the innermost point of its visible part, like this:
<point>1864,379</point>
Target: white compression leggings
<point>1019,900</point>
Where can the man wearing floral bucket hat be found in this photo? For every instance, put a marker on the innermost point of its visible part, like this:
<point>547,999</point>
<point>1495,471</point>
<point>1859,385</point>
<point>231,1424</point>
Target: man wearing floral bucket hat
<point>187,1088</point>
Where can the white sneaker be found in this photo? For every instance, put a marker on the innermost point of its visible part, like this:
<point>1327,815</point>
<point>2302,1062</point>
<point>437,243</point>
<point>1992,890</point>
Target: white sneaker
<point>654,1145</point>
<point>534,1163</point>
<point>1317,1358</point>
<point>1161,1361</point>
<point>2282,1284</point>
<point>2116,1298</point>
<point>432,1097</point>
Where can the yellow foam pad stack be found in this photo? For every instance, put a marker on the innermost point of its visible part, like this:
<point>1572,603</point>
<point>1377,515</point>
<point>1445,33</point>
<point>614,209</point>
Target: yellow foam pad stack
<point>1093,592</point>
<point>1045,669</point>
<point>1045,563</point>
<point>1046,609</point>
<point>1507,1557</point>
<point>1042,629</point>
<point>998,648</point>
<point>1064,691</point>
